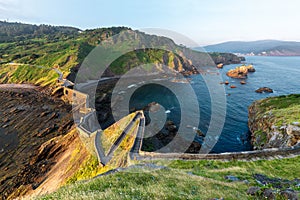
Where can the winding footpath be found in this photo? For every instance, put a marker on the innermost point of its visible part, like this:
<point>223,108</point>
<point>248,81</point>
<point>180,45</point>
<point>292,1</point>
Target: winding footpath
<point>104,159</point>
<point>136,153</point>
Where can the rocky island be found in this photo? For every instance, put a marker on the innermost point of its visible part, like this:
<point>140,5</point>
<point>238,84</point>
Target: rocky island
<point>264,90</point>
<point>241,71</point>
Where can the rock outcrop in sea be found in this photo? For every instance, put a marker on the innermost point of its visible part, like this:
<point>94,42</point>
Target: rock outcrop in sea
<point>240,72</point>
<point>264,90</point>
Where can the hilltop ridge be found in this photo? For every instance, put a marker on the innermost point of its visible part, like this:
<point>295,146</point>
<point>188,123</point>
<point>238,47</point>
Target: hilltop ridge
<point>66,47</point>
<point>260,47</point>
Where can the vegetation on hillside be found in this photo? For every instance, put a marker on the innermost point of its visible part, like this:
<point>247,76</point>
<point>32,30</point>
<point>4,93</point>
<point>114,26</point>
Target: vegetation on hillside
<point>286,109</point>
<point>260,47</point>
<point>45,47</point>
<point>91,167</point>
<point>183,180</point>
<point>275,121</point>
<point>65,48</point>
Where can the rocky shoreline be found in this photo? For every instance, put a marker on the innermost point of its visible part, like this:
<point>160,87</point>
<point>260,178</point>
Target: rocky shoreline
<point>273,122</point>
<point>105,118</point>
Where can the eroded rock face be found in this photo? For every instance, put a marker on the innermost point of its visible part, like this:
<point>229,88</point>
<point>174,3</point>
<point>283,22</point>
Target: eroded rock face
<point>270,130</point>
<point>29,119</point>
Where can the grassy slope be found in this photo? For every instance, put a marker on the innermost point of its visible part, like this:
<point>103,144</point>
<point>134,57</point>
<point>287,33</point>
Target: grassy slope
<point>27,74</point>
<point>185,179</point>
<point>39,59</point>
<point>63,54</point>
<point>275,111</point>
<point>90,167</point>
<point>180,180</point>
<point>284,109</point>
<point>43,48</point>
<point>66,48</point>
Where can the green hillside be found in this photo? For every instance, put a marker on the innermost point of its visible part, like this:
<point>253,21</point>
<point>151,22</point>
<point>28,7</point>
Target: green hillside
<point>260,47</point>
<point>40,48</point>
<point>35,50</point>
<point>186,180</point>
<point>274,122</point>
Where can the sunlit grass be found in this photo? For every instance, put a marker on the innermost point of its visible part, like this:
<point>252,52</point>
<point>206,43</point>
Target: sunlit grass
<point>110,135</point>
<point>28,74</point>
<point>181,180</point>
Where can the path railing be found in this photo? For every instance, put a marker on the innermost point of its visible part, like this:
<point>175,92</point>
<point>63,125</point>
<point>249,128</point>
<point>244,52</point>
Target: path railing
<point>137,154</point>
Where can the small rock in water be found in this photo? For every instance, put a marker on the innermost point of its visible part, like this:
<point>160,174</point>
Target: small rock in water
<point>264,90</point>
<point>45,107</point>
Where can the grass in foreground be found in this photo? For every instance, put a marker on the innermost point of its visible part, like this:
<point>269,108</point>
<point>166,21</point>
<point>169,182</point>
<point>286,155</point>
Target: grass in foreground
<point>181,180</point>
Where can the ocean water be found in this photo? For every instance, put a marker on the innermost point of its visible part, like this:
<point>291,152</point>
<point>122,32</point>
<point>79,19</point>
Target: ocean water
<point>282,74</point>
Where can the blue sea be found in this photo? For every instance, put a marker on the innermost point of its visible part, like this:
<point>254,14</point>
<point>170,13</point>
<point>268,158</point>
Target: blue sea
<point>282,74</point>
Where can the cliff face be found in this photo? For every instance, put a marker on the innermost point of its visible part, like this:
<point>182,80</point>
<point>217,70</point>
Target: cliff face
<point>226,58</point>
<point>37,141</point>
<point>275,122</point>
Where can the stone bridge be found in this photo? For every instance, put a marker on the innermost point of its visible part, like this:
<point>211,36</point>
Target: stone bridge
<point>90,133</point>
<point>137,154</point>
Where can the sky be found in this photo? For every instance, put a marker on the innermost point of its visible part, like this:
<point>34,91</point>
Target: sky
<point>202,21</point>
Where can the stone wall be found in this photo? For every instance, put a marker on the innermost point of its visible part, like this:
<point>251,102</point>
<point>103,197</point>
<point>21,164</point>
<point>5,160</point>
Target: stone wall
<point>76,98</point>
<point>89,131</point>
<point>247,155</point>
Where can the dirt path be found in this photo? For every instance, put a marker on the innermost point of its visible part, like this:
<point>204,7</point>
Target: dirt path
<point>17,86</point>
